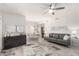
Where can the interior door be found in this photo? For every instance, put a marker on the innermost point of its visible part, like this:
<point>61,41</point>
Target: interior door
<point>42,32</point>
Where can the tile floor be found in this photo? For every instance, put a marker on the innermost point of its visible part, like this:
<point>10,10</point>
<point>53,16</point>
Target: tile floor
<point>43,48</point>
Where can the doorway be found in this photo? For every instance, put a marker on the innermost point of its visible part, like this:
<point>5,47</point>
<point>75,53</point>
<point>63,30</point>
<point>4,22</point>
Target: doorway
<point>42,31</point>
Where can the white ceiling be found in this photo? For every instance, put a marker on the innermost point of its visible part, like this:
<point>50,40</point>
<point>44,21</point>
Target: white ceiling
<point>23,8</point>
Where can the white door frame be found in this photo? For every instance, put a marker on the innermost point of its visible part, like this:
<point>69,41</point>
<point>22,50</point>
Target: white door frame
<point>1,33</point>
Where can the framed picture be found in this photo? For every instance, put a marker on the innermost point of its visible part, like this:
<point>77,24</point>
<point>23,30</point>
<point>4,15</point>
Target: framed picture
<point>20,28</point>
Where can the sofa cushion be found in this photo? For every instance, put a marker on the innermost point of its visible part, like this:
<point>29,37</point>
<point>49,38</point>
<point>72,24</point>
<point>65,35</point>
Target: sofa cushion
<point>66,37</point>
<point>61,36</point>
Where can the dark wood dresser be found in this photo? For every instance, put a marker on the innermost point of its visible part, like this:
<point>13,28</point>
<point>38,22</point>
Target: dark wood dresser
<point>13,41</point>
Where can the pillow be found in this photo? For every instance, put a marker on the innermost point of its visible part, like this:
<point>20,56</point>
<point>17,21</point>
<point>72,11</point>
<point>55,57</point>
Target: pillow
<point>66,37</point>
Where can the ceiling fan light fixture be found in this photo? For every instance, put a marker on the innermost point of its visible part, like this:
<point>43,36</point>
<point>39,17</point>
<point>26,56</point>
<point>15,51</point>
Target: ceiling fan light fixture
<point>53,13</point>
<point>50,11</point>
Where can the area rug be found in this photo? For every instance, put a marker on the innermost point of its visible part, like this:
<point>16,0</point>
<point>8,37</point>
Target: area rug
<point>56,48</point>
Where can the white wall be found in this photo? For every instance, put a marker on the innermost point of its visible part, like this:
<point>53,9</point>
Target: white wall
<point>69,16</point>
<point>12,19</point>
<point>30,26</point>
<point>0,33</point>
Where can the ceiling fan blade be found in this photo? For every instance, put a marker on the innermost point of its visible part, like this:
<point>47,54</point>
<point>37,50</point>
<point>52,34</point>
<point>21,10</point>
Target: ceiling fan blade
<point>55,4</point>
<point>46,11</point>
<point>42,8</point>
<point>58,8</point>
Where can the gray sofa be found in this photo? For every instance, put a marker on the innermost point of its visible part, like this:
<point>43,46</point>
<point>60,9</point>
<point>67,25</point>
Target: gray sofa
<point>58,38</point>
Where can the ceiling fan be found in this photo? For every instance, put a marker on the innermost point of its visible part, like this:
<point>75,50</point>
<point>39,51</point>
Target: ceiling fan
<point>52,7</point>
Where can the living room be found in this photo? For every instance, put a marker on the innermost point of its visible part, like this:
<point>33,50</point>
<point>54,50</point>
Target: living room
<point>32,29</point>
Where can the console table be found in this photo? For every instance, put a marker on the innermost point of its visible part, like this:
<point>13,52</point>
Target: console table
<point>13,41</point>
